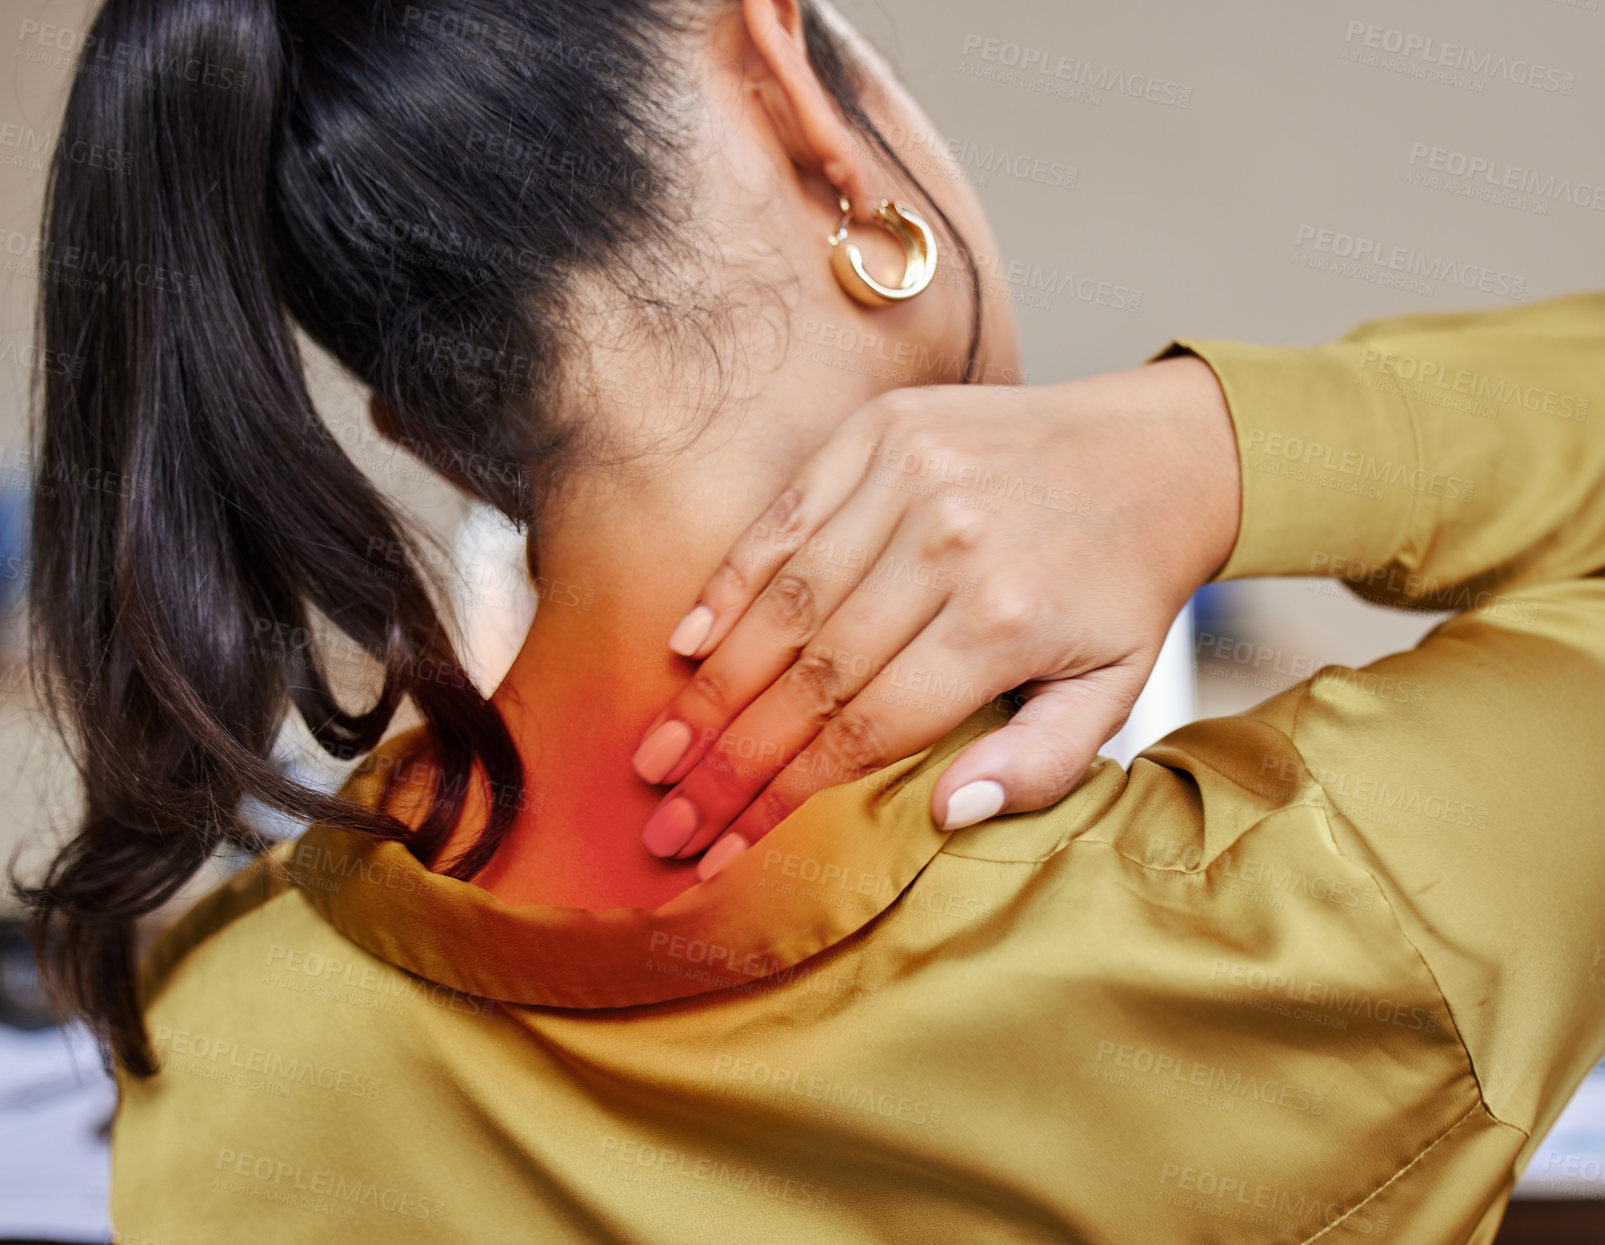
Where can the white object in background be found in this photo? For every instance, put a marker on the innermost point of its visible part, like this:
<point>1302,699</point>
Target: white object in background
<point>1169,700</point>
<point>1571,1161</point>
<point>492,595</point>
<point>55,1167</point>
<point>493,602</point>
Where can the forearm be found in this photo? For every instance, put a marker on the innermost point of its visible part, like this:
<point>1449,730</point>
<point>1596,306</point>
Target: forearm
<point>1426,460</point>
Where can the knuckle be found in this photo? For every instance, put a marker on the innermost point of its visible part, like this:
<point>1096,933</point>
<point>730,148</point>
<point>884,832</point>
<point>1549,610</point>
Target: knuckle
<point>952,528</point>
<point>899,411</point>
<point>711,691</point>
<point>820,682</point>
<point>779,531</point>
<point>791,603</point>
<point>908,435</point>
<point>1005,613</point>
<point>772,807</point>
<point>722,777</point>
<point>1058,762</point>
<point>919,441</point>
<point>857,743</point>
<point>730,577</point>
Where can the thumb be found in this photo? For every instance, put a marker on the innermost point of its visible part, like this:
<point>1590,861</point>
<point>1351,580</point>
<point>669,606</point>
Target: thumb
<point>1044,749</point>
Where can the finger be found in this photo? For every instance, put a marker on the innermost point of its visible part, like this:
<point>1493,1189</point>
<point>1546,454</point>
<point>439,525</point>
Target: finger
<point>1039,755</point>
<point>1043,760</point>
<point>915,701</point>
<point>789,613</point>
<point>821,487</point>
<point>850,651</point>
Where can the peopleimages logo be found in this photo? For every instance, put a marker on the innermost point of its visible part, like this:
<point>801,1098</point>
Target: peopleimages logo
<point>120,58</point>
<point>1230,1083</point>
<point>777,1079</point>
<point>1408,260</point>
<point>234,1062</point>
<point>1245,1193</point>
<point>337,1190</point>
<point>1039,64</point>
<point>1502,176</point>
<point>1479,385</point>
<point>1320,462</point>
<point>1426,51</point>
<point>1252,978</point>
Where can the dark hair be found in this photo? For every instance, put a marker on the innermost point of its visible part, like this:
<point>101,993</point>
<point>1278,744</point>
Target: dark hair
<point>311,164</point>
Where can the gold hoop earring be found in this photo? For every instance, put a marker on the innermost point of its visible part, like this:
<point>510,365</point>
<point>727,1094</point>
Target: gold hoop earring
<point>919,248</point>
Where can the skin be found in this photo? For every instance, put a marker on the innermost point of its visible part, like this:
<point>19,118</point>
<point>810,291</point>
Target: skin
<point>1145,464</point>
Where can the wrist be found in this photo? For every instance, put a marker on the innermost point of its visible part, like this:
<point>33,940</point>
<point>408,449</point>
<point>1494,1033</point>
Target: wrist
<point>1208,477</point>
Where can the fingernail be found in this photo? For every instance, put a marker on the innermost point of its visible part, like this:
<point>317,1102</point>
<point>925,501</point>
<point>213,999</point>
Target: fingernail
<point>670,827</point>
<point>692,631</point>
<point>721,854</point>
<point>661,750</point>
<point>973,802</point>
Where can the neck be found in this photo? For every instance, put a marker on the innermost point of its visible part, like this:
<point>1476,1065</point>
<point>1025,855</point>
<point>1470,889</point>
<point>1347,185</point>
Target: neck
<point>618,569</point>
<point>622,557</point>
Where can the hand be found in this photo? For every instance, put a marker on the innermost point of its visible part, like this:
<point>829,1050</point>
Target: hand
<point>946,545</point>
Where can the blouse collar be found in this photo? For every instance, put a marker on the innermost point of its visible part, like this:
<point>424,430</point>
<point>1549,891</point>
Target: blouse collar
<point>830,867</point>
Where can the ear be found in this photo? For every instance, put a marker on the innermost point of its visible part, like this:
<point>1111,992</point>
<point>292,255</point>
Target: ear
<point>802,112</point>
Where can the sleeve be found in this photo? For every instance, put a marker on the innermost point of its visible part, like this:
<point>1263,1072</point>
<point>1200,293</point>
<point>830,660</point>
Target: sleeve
<point>1432,461</point>
<point>1453,462</point>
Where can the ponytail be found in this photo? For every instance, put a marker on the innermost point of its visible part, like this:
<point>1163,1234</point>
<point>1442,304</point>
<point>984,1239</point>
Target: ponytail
<point>189,501</point>
<point>411,188</point>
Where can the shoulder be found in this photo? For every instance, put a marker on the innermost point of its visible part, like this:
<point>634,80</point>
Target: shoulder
<point>1225,774</point>
<point>1190,946</point>
<point>257,894</point>
<point>289,1059</point>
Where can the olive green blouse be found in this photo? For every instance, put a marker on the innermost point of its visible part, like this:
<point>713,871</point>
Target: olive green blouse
<point>1331,966</point>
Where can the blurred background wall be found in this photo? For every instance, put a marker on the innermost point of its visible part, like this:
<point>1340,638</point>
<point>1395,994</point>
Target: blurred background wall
<point>1153,168</point>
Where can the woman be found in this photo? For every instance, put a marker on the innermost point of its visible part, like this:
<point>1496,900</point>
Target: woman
<point>1264,985</point>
